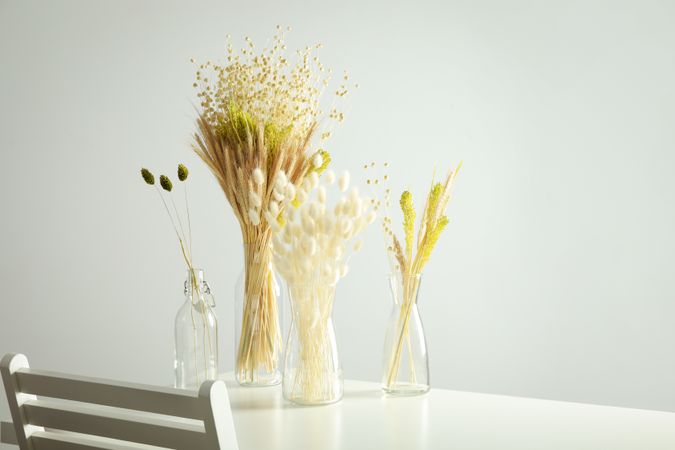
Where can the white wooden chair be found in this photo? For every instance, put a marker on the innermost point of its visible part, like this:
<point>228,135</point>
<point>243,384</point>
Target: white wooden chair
<point>55,411</point>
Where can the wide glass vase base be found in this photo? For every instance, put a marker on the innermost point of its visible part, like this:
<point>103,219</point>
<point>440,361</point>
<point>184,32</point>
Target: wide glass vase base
<point>259,379</point>
<point>324,391</point>
<point>406,389</point>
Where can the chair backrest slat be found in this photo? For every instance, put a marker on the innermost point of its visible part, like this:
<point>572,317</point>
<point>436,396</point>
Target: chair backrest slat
<point>167,431</point>
<point>119,394</point>
<point>46,440</point>
<point>54,411</point>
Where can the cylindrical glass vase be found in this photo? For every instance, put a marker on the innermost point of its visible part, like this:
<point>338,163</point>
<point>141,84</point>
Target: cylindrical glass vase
<point>196,335</point>
<point>258,298</point>
<point>406,361</point>
<point>312,371</point>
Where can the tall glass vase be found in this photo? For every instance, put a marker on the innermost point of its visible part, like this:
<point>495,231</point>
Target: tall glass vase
<point>406,362</point>
<point>258,338</point>
<point>196,335</point>
<point>312,371</point>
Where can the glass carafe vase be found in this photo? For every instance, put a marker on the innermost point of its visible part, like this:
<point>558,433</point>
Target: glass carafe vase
<point>196,334</point>
<point>258,299</point>
<point>406,362</point>
<point>312,371</point>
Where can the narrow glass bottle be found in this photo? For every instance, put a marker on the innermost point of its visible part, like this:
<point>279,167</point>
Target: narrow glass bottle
<point>406,361</point>
<point>196,334</point>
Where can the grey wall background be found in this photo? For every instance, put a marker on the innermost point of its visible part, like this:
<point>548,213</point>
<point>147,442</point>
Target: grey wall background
<point>554,279</point>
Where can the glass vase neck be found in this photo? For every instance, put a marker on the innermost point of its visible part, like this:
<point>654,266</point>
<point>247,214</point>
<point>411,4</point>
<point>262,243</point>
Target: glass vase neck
<point>195,284</point>
<point>405,288</point>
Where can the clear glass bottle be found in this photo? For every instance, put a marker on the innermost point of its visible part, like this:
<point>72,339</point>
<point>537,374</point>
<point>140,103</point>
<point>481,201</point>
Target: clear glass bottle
<point>257,317</point>
<point>406,361</point>
<point>312,371</point>
<point>196,334</point>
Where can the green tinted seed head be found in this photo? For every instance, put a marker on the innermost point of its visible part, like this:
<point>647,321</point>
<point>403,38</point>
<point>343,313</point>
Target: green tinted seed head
<point>165,183</point>
<point>147,176</point>
<point>182,172</point>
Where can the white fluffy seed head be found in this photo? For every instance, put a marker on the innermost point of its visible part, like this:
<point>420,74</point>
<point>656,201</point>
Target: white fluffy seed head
<point>278,196</point>
<point>258,176</point>
<point>254,217</point>
<point>314,180</point>
<point>271,219</point>
<point>310,245</point>
<point>343,182</point>
<point>278,242</point>
<point>314,210</point>
<point>301,195</point>
<point>317,161</point>
<point>357,205</point>
<point>290,191</point>
<point>337,209</point>
<point>274,209</point>
<point>254,199</point>
<point>321,194</point>
<point>280,181</point>
<point>327,225</point>
<point>344,270</point>
<point>329,176</point>
<point>345,226</point>
<point>308,225</point>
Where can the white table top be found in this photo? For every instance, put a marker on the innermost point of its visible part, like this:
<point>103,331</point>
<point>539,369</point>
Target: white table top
<point>441,419</point>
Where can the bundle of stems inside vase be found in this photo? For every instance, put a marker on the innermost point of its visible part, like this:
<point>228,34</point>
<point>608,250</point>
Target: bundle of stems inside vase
<point>409,259</point>
<point>259,115</point>
<point>316,376</point>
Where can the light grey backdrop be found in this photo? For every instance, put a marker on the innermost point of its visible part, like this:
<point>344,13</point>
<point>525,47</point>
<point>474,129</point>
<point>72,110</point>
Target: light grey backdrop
<point>553,280</point>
